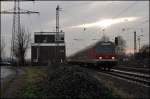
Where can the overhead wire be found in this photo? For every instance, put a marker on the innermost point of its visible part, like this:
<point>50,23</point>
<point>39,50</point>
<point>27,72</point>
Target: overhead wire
<point>125,10</point>
<point>141,23</point>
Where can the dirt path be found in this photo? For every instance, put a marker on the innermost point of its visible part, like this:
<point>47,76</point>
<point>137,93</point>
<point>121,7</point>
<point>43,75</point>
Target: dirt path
<point>11,84</point>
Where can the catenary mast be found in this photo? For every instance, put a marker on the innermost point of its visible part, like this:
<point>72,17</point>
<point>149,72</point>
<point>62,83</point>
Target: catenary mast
<point>16,27</point>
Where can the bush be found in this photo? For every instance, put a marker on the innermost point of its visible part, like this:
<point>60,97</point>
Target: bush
<point>75,82</point>
<point>68,82</point>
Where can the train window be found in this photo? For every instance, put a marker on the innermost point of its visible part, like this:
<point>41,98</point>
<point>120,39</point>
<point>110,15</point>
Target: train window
<point>105,43</point>
<point>105,49</point>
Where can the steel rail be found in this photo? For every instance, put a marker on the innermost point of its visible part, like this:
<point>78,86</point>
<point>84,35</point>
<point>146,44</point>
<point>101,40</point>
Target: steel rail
<point>146,76</point>
<point>142,70</point>
<point>138,78</point>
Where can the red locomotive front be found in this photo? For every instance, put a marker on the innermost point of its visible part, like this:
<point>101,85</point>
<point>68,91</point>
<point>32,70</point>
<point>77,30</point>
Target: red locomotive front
<point>103,54</point>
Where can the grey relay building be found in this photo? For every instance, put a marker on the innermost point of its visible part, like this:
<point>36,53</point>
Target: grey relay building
<point>47,49</point>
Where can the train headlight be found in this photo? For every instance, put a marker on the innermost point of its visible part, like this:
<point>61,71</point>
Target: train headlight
<point>113,57</point>
<point>100,57</point>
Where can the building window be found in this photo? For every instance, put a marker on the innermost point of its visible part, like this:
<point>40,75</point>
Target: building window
<point>62,38</point>
<point>35,60</point>
<point>62,51</point>
<point>45,40</point>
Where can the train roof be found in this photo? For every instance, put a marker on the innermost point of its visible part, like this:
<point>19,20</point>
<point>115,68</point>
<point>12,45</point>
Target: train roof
<point>105,43</point>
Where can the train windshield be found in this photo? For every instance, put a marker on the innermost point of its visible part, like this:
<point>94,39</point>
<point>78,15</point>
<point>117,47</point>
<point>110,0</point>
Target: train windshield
<point>105,49</point>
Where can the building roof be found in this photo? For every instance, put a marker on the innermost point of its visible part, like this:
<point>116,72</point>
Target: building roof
<point>48,44</point>
<point>47,33</point>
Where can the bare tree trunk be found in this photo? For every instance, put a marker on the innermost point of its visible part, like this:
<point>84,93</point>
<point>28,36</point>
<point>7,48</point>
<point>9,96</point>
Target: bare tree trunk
<point>22,43</point>
<point>2,46</point>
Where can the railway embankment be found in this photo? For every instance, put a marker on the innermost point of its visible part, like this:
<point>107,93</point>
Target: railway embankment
<point>73,82</point>
<point>124,87</point>
<point>62,82</point>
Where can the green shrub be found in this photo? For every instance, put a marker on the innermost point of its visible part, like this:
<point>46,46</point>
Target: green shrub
<point>67,82</point>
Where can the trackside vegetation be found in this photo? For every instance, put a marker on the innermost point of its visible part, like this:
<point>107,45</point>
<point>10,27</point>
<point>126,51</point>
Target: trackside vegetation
<point>63,82</point>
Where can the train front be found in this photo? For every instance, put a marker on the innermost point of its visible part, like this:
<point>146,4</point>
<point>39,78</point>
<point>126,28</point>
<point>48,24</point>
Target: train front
<point>103,54</point>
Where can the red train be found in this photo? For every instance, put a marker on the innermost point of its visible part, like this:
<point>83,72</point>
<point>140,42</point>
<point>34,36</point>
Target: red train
<point>102,55</point>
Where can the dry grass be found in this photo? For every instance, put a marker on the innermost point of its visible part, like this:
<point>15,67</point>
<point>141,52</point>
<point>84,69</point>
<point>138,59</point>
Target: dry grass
<point>15,86</point>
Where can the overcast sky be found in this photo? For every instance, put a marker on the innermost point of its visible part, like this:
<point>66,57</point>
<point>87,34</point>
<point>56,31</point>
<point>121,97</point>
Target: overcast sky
<point>112,16</point>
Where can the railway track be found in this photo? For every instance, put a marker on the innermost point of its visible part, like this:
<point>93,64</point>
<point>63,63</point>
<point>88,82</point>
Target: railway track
<point>138,78</point>
<point>135,77</point>
<point>133,69</point>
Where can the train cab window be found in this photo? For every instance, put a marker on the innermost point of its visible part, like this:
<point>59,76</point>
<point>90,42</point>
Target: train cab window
<point>104,49</point>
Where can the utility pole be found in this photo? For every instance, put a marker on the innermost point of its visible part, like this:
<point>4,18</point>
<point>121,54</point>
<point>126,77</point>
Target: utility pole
<point>57,35</point>
<point>0,41</point>
<point>134,42</point>
<point>57,22</point>
<point>16,28</point>
<point>0,44</point>
<point>139,41</point>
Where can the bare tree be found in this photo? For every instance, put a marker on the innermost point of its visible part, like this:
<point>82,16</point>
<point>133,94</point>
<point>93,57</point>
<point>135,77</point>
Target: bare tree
<point>121,45</point>
<point>21,44</point>
<point>2,52</point>
<point>144,51</point>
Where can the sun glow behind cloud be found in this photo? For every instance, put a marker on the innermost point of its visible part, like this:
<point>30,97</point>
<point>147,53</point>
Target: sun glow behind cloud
<point>129,50</point>
<point>106,22</point>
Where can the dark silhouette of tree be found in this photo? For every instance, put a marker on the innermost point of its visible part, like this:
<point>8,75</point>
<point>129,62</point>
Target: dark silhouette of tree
<point>21,45</point>
<point>143,55</point>
<point>144,52</point>
<point>2,52</point>
<point>121,45</point>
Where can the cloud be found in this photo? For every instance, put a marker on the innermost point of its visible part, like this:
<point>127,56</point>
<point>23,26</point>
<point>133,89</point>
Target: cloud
<point>76,15</point>
<point>106,22</point>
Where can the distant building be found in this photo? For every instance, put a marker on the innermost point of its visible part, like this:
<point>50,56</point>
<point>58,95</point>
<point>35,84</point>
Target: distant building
<point>46,48</point>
